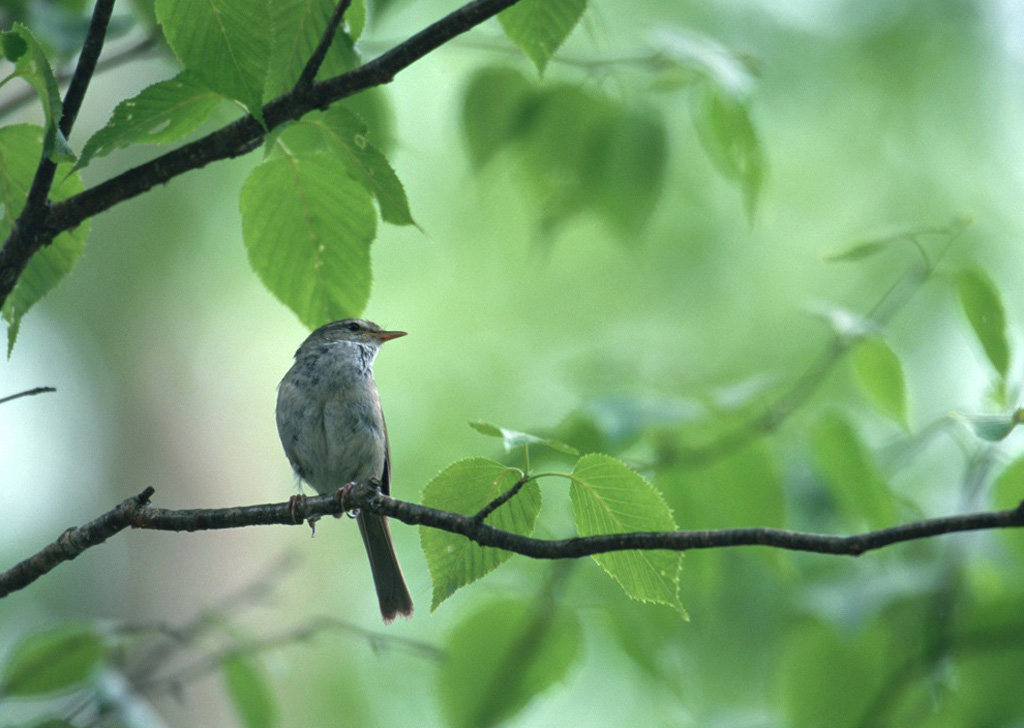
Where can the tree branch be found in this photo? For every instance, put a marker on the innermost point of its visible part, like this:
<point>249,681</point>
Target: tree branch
<point>316,60</point>
<point>27,393</point>
<point>136,512</point>
<point>232,140</point>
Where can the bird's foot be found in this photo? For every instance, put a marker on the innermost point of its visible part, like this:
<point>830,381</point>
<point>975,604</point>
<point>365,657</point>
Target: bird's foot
<point>343,496</point>
<point>297,502</point>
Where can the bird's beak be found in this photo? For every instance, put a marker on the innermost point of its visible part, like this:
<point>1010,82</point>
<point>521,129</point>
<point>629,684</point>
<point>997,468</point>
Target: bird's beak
<point>388,335</point>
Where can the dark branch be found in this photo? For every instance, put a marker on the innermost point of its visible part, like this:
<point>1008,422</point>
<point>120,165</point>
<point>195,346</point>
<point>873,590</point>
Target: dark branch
<point>30,229</point>
<point>316,60</point>
<point>233,140</point>
<point>136,512</point>
<point>501,500</point>
<point>27,393</point>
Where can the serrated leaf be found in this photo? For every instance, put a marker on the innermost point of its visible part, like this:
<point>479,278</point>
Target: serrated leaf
<point>727,135</point>
<point>501,657</point>
<point>307,227</point>
<point>853,477</point>
<point>991,428</point>
<point>347,137</point>
<point>907,235</point>
<point>298,27</point>
<point>539,27</point>
<point>608,498</point>
<point>880,375</point>
<point>54,660</point>
<point>164,112</point>
<point>514,438</point>
<point>492,110</point>
<point>249,691</point>
<point>31,64</point>
<point>20,150</point>
<point>984,308</point>
<point>466,487</point>
<point>226,43</point>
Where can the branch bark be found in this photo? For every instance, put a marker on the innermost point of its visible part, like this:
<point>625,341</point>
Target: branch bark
<point>233,140</point>
<point>137,513</point>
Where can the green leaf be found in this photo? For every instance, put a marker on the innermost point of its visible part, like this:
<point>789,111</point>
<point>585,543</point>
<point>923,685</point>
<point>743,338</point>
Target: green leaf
<point>226,43</point>
<point>514,438</point>
<point>492,111</point>
<point>54,660</point>
<point>1008,492</point>
<point>625,170</point>
<point>880,374</point>
<point>689,57</point>
<point>164,112</point>
<point>984,308</point>
<point>307,227</point>
<point>355,18</point>
<point>249,691</point>
<point>539,27</point>
<point>298,27</point>
<point>608,498</point>
<point>30,63</point>
<point>848,325</point>
<point>466,486</point>
<point>991,428</point>
<point>850,472</point>
<point>346,136</point>
<point>730,140</point>
<point>503,655</point>
<point>20,150</point>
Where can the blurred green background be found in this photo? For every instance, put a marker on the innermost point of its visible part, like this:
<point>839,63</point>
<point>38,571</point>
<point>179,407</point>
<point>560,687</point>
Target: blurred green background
<point>165,351</point>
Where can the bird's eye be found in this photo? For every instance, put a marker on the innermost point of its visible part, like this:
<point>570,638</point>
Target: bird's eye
<point>352,326</point>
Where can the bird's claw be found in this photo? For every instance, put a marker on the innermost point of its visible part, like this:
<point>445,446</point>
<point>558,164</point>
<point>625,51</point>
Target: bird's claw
<point>343,496</point>
<point>297,502</point>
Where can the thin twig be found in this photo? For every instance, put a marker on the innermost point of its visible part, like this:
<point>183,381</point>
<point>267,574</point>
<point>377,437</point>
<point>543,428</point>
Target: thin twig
<point>316,60</point>
<point>136,512</point>
<point>501,500</point>
<point>27,393</point>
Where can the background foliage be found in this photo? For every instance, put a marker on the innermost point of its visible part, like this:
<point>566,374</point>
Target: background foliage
<point>757,253</point>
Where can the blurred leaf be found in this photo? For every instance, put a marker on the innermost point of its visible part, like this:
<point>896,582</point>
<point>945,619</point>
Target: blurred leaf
<point>30,63</point>
<point>608,498</point>
<point>728,137</point>
<point>500,657</point>
<point>981,302</point>
<point>514,438</point>
<point>53,660</point>
<point>617,421</point>
<point>164,112</point>
<point>703,58</point>
<point>625,170</point>
<point>850,472</point>
<point>308,227</point>
<point>466,487</point>
<point>743,489</point>
<point>539,27</point>
<point>880,375</point>
<point>226,43</point>
<point>908,235</point>
<point>355,18</point>
<point>491,110</point>
<point>248,689</point>
<point>991,428</point>
<point>347,138</point>
<point>818,669</point>
<point>848,325</point>
<point>20,150</point>
<point>298,27</point>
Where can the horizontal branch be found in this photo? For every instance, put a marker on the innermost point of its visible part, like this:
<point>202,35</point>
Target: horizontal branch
<point>137,513</point>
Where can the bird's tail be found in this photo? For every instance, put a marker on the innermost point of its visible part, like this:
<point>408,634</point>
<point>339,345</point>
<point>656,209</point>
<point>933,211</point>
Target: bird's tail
<point>387,574</point>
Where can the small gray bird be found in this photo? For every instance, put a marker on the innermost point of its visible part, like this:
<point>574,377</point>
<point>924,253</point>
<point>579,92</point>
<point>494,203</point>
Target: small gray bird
<point>332,427</point>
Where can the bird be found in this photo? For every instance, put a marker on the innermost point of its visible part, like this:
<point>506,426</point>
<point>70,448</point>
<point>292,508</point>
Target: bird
<point>332,428</point>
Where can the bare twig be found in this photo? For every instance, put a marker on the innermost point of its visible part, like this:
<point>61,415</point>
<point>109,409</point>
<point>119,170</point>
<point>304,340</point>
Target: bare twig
<point>27,393</point>
<point>501,500</point>
<point>136,512</point>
